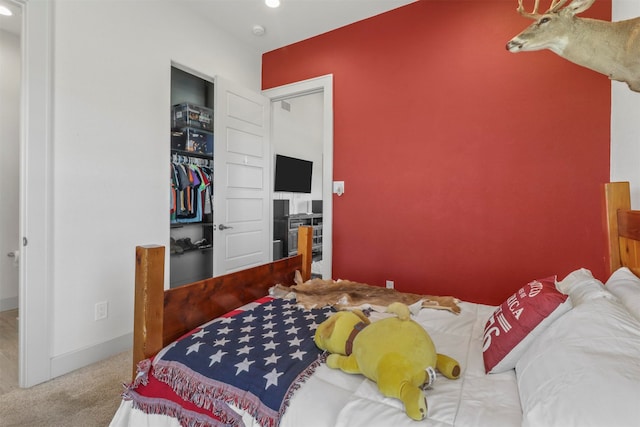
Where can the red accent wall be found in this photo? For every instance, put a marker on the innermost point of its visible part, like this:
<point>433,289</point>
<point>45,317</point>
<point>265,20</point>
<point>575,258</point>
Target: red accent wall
<point>469,170</point>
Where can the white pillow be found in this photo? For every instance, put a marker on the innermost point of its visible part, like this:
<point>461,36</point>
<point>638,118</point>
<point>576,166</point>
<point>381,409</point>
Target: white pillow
<point>581,286</point>
<point>583,370</point>
<point>626,286</point>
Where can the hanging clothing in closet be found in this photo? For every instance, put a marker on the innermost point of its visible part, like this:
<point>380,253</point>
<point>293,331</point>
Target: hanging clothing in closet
<point>191,192</point>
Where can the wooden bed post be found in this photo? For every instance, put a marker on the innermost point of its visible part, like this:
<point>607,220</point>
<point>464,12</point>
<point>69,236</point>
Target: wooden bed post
<point>305,241</point>
<point>617,197</point>
<point>149,302</point>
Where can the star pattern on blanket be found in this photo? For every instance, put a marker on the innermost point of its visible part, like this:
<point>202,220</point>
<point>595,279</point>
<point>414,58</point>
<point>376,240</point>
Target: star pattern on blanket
<point>289,318</point>
<point>261,352</point>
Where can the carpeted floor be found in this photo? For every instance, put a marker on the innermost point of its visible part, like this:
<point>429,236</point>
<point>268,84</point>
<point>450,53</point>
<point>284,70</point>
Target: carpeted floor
<point>8,351</point>
<point>84,398</point>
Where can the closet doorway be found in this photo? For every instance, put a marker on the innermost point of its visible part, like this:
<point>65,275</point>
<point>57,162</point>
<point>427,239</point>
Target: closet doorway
<point>323,87</point>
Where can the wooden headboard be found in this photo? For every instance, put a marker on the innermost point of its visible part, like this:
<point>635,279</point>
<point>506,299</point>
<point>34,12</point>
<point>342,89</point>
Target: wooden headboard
<point>623,228</point>
<point>161,316</point>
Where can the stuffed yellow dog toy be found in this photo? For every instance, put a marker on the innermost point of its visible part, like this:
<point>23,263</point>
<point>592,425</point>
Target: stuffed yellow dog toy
<point>396,353</point>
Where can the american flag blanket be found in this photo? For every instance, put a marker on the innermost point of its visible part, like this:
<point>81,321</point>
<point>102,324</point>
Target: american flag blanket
<point>254,360</point>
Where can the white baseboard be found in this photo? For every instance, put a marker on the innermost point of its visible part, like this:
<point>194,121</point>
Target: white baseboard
<point>68,362</point>
<point>8,303</point>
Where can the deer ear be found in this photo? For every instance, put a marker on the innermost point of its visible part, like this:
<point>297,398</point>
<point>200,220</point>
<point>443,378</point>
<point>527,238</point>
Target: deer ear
<point>579,6</point>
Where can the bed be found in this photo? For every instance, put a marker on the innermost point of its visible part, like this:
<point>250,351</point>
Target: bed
<point>558,352</point>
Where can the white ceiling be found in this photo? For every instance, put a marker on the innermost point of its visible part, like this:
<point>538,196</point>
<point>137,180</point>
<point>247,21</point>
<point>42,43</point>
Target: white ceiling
<point>293,21</point>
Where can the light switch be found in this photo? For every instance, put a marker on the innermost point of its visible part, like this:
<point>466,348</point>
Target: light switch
<point>338,187</point>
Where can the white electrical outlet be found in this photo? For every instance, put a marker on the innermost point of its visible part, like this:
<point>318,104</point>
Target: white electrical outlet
<point>390,284</point>
<point>101,310</point>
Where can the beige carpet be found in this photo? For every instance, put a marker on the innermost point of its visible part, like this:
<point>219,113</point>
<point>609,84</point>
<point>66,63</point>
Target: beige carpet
<point>84,398</point>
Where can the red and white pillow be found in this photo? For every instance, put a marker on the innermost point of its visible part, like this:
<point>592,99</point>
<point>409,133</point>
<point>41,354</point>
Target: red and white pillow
<point>517,321</point>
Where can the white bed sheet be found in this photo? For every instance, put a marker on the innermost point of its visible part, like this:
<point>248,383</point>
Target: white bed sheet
<point>333,398</point>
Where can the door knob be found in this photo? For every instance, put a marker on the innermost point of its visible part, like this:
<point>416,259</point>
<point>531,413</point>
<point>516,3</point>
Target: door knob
<point>223,227</point>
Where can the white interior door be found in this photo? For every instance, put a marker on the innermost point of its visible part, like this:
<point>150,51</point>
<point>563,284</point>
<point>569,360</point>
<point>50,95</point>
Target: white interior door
<point>36,189</point>
<point>241,236</point>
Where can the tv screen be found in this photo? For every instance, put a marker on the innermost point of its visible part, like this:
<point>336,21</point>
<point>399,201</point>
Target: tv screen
<point>293,175</point>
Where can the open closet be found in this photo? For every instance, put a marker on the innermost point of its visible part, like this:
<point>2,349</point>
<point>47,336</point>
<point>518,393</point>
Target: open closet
<point>191,166</point>
<point>220,177</point>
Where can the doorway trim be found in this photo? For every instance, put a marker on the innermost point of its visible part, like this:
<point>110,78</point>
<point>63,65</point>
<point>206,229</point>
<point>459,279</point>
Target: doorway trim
<point>36,193</point>
<point>323,84</point>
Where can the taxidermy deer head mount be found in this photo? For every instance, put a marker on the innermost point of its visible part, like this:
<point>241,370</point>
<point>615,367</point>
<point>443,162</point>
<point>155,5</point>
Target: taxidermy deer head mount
<point>610,48</point>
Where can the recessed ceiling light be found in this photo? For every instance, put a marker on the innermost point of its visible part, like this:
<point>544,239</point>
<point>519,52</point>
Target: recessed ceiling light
<point>5,11</point>
<point>272,3</point>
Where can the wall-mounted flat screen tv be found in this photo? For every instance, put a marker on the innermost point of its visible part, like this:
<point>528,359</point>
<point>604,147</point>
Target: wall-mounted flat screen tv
<point>293,175</point>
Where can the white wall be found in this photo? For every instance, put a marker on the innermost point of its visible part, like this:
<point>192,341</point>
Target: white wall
<point>299,133</point>
<point>9,165</point>
<point>625,119</point>
<point>111,152</point>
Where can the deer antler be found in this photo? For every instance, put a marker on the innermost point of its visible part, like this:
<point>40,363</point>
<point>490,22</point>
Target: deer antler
<point>555,5</point>
<point>532,15</point>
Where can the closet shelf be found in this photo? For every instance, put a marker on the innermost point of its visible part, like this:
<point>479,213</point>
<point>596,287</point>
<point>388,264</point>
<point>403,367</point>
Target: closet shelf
<point>193,128</point>
<point>198,249</point>
<point>187,224</point>
<point>191,154</point>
